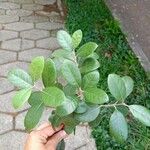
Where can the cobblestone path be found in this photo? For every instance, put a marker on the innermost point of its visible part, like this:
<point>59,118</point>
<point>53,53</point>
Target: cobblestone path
<point>28,29</point>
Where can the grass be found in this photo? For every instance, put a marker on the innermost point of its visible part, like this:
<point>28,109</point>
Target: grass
<point>98,25</point>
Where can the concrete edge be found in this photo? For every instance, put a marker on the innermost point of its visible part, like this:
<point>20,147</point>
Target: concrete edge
<point>137,49</point>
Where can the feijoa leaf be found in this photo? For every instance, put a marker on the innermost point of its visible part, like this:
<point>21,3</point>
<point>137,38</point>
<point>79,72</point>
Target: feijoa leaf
<point>91,114</point>
<point>71,73</point>
<point>53,96</point>
<point>67,107</point>
<point>90,79</point>
<point>141,113</point>
<point>87,49</point>
<point>76,38</point>
<point>20,78</point>
<point>36,68</point>
<point>21,97</point>
<point>89,64</point>
<point>65,40</point>
<point>33,116</point>
<point>49,73</point>
<point>118,126</point>
<point>128,84</point>
<point>117,87</point>
<point>95,95</point>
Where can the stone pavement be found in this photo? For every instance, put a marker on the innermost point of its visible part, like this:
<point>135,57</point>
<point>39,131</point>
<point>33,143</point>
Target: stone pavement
<point>28,29</point>
<point>134,16</point>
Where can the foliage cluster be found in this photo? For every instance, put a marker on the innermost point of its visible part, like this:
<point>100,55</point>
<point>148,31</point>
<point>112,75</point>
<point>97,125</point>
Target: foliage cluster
<point>78,99</point>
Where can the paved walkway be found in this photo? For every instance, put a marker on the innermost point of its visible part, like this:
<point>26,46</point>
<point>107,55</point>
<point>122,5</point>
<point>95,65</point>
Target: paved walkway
<point>134,16</point>
<point>28,29</point>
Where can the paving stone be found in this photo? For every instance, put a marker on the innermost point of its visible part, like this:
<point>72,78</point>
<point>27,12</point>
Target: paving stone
<point>53,33</point>
<point>49,25</point>
<point>27,44</point>
<point>5,86</point>
<point>48,43</point>
<point>48,14</point>
<point>19,12</point>
<point>7,56</point>
<point>7,5</point>
<point>32,7</point>
<point>5,123</point>
<point>19,26</point>
<point>22,1</point>
<point>45,2</point>
<point>88,146</point>
<point>81,138</point>
<point>6,103</point>
<point>34,34</point>
<point>13,141</point>
<point>56,19</point>
<point>3,0</point>
<point>6,35</point>
<point>17,44</point>
<point>7,67</point>
<point>34,19</point>
<point>19,122</point>
<point>38,85</point>
<point>1,27</point>
<point>2,12</point>
<point>13,45</point>
<point>8,19</point>
<point>28,55</point>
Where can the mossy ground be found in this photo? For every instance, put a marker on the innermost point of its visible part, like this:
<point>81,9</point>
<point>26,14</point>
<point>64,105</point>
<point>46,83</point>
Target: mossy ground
<point>98,25</point>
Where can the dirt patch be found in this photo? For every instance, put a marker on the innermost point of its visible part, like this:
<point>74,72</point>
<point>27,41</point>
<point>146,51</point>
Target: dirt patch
<point>50,8</point>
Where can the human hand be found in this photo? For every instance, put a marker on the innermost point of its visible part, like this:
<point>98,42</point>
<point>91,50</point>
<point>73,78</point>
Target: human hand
<point>45,138</point>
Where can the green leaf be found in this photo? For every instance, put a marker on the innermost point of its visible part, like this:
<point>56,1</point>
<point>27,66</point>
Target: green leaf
<point>61,145</point>
<point>33,116</point>
<point>91,79</point>
<point>21,97</point>
<point>65,40</point>
<point>49,73</point>
<point>94,55</point>
<point>35,98</point>
<point>20,78</point>
<point>67,107</point>
<point>141,113</point>
<point>87,49</point>
<point>81,108</point>
<point>55,120</point>
<point>62,53</point>
<point>128,84</point>
<point>53,96</point>
<point>95,122</point>
<point>70,90</point>
<point>89,65</point>
<point>68,121</point>
<point>58,61</point>
<point>117,87</point>
<point>91,114</point>
<point>96,96</point>
<point>71,73</point>
<point>36,68</point>
<point>76,38</point>
<point>118,126</point>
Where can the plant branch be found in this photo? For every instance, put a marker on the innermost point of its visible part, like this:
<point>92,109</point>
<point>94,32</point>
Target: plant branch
<point>113,105</point>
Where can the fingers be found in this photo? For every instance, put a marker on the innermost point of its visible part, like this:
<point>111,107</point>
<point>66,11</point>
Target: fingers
<point>43,126</point>
<point>56,138</point>
<point>48,131</point>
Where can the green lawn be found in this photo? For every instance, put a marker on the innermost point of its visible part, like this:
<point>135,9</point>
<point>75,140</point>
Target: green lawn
<point>98,25</point>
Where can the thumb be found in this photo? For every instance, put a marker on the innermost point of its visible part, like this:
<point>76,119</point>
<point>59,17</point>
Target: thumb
<point>56,138</point>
